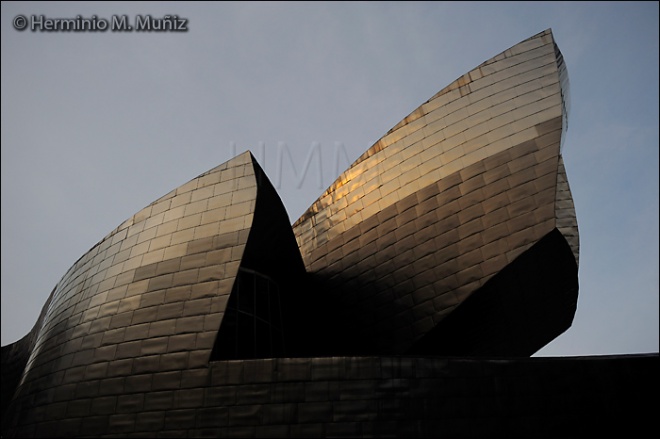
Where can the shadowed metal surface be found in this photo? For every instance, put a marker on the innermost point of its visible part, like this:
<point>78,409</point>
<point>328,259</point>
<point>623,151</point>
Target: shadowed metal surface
<point>445,200</point>
<point>454,235</point>
<point>141,311</point>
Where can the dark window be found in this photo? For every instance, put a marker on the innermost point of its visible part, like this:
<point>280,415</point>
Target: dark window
<point>252,324</point>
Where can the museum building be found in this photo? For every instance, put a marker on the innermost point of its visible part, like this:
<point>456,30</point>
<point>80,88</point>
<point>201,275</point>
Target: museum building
<point>405,301</point>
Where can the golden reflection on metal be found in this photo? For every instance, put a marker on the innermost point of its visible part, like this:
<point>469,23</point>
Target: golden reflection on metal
<point>446,199</point>
<point>497,107</point>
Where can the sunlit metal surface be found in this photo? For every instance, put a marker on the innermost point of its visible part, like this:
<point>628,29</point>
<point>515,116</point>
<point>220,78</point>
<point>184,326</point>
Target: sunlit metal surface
<point>455,234</point>
<point>146,303</point>
<point>472,179</point>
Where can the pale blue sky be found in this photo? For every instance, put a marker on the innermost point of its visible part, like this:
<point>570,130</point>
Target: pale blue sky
<point>96,126</point>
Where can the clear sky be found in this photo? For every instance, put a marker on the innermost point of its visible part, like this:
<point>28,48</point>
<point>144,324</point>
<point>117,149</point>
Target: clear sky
<point>97,125</point>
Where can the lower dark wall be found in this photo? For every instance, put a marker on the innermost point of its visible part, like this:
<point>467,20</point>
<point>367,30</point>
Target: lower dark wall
<point>391,396</point>
<point>14,357</point>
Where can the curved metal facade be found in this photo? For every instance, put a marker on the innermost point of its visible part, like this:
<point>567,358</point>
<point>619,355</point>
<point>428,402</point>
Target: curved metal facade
<point>455,234</point>
<point>449,197</point>
<point>139,314</point>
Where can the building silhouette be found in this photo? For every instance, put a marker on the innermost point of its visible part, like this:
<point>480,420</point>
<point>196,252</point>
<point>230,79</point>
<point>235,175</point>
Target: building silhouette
<point>404,302</point>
